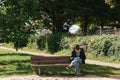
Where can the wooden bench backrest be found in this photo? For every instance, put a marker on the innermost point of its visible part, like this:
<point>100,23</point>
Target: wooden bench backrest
<point>49,59</point>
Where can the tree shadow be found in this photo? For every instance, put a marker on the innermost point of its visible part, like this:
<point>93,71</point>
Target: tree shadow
<point>90,69</point>
<point>12,58</point>
<point>15,63</point>
<point>14,54</point>
<point>19,64</point>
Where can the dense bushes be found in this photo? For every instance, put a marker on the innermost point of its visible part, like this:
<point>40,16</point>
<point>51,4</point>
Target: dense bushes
<point>32,44</point>
<point>53,42</point>
<point>105,45</point>
<point>98,45</point>
<point>41,42</point>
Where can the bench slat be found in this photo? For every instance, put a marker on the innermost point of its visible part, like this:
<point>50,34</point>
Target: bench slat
<point>44,60</point>
<point>50,65</point>
<point>53,57</point>
<point>50,61</point>
<point>54,65</point>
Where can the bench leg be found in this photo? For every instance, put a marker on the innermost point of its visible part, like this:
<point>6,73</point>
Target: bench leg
<point>38,71</point>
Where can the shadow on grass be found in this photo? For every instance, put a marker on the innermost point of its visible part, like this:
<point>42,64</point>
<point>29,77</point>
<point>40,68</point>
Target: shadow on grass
<point>14,54</point>
<point>12,58</point>
<point>15,64</point>
<point>90,69</point>
<point>19,64</point>
<point>100,70</point>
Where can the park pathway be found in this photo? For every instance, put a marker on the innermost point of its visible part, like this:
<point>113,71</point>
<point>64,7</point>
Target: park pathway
<point>36,77</point>
<point>87,61</point>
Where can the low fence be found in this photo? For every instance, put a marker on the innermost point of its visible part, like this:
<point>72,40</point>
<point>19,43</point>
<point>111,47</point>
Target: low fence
<point>108,31</point>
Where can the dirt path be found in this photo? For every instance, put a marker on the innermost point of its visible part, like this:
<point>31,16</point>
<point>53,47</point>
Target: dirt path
<point>36,77</point>
<point>87,61</point>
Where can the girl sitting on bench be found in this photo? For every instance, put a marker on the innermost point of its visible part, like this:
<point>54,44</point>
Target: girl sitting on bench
<point>77,57</point>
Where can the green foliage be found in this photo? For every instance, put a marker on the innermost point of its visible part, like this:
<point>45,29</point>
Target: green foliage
<point>32,44</point>
<point>16,14</point>
<point>64,44</point>
<point>20,42</point>
<point>113,3</point>
<point>114,51</point>
<point>65,52</point>
<point>53,42</point>
<point>58,14</point>
<point>12,64</point>
<point>41,42</point>
<point>92,29</point>
<point>98,46</point>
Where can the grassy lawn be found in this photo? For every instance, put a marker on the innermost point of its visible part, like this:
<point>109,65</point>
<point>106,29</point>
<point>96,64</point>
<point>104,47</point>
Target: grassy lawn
<point>12,63</point>
<point>89,56</point>
<point>103,59</point>
<point>87,70</point>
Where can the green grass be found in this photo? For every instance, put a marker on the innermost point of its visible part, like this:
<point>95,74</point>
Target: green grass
<point>102,58</point>
<point>89,56</point>
<point>5,51</point>
<point>85,70</point>
<point>12,63</point>
<point>63,53</point>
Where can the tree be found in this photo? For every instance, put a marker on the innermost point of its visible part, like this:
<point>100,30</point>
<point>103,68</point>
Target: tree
<point>115,11</point>
<point>57,14</point>
<point>102,14</point>
<point>92,12</point>
<point>84,11</point>
<point>113,3</point>
<point>13,18</point>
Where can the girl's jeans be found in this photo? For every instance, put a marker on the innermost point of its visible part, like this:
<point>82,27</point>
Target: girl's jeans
<point>76,62</point>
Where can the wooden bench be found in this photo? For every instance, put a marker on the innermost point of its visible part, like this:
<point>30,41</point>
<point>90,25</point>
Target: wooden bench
<point>49,61</point>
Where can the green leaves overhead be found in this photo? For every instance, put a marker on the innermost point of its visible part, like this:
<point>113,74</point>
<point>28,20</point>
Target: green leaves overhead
<point>17,12</point>
<point>113,3</point>
<point>58,15</point>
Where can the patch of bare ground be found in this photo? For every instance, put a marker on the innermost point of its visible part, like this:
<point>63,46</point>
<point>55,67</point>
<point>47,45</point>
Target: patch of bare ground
<point>36,77</point>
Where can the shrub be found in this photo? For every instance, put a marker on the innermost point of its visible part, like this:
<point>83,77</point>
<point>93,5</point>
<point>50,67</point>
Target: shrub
<point>106,46</point>
<point>64,44</point>
<point>32,44</point>
<point>92,29</point>
<point>97,45</point>
<point>53,42</point>
<point>41,42</point>
<point>20,42</point>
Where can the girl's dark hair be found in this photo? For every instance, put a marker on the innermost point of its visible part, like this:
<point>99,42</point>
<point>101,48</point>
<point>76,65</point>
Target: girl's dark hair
<point>77,47</point>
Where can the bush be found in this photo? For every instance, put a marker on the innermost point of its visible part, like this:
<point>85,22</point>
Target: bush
<point>92,29</point>
<point>20,42</point>
<point>41,42</point>
<point>64,44</point>
<point>97,45</point>
<point>53,42</point>
<point>32,44</point>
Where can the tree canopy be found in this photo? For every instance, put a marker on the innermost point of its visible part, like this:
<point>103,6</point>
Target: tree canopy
<point>58,15</point>
<point>113,3</point>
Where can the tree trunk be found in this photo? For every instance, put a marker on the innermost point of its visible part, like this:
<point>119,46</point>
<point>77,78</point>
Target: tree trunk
<point>101,29</point>
<point>58,25</point>
<point>84,27</point>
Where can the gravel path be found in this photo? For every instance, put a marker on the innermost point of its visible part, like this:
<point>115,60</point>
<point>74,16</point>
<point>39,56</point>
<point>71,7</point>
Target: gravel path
<point>35,77</point>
